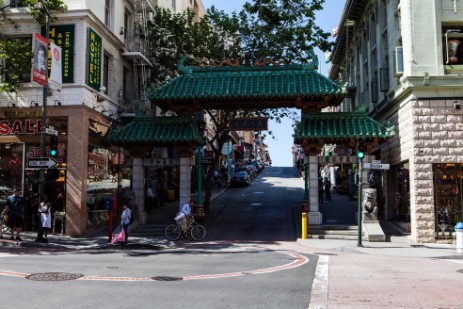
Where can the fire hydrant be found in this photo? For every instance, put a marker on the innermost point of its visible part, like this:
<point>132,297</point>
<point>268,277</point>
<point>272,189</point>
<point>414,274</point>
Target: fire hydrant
<point>459,233</point>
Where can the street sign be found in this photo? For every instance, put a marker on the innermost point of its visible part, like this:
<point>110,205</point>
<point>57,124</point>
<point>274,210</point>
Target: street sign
<point>227,148</point>
<point>207,157</point>
<point>41,162</point>
<point>376,166</point>
<point>51,131</point>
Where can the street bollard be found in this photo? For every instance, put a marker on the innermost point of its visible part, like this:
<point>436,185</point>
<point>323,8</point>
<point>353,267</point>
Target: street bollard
<point>459,236</point>
<point>304,225</point>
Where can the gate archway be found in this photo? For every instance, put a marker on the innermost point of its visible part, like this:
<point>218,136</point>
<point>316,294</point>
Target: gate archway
<point>263,84</point>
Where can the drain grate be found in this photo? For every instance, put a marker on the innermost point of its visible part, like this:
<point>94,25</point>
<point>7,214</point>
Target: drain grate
<point>54,277</point>
<point>166,278</point>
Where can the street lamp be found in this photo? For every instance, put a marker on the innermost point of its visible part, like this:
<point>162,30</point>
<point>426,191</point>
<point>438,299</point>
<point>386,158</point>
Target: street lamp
<point>360,155</point>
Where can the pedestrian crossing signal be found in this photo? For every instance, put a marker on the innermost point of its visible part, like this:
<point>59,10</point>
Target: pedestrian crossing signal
<point>53,146</point>
<point>360,154</point>
<point>360,148</point>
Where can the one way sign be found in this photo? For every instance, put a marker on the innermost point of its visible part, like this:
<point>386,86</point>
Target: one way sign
<point>41,162</point>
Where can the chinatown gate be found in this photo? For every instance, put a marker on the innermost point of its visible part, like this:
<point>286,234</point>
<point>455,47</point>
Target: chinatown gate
<point>236,85</point>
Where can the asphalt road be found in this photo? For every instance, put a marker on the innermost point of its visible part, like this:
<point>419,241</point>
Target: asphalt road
<point>264,211</point>
<point>249,260</point>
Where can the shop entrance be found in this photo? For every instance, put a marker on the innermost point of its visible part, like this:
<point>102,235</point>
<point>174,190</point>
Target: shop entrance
<point>401,193</point>
<point>448,198</point>
<point>55,190</point>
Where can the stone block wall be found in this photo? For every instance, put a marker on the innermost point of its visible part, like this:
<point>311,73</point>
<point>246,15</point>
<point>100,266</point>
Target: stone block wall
<point>428,132</point>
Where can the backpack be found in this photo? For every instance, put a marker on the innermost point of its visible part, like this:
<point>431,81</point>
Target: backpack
<point>131,218</point>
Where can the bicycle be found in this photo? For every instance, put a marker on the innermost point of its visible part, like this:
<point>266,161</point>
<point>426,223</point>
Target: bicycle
<point>175,230</point>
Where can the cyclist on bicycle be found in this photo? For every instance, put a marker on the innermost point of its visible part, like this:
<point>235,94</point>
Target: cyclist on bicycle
<point>184,213</point>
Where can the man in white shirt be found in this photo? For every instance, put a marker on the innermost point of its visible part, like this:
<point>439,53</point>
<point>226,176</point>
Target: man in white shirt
<point>184,212</point>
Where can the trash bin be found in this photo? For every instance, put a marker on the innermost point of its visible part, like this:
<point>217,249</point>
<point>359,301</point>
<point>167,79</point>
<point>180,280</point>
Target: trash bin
<point>459,233</point>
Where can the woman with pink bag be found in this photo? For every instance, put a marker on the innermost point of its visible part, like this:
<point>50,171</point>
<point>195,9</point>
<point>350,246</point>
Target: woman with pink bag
<point>125,222</point>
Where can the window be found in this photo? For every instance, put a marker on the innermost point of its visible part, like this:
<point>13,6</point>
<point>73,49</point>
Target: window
<point>399,61</point>
<point>447,199</point>
<point>105,72</point>
<point>127,25</point>
<point>384,80</point>
<point>107,13</point>
<point>374,90</point>
<point>18,3</point>
<point>453,49</point>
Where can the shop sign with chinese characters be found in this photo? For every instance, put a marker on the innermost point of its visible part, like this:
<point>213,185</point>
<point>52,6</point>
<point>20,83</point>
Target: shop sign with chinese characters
<point>338,159</point>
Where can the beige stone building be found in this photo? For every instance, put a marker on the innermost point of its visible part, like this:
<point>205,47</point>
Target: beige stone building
<point>402,60</point>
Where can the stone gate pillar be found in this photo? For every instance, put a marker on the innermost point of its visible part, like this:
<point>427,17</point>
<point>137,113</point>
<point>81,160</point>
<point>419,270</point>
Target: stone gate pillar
<point>138,184</point>
<point>315,216</point>
<point>185,181</point>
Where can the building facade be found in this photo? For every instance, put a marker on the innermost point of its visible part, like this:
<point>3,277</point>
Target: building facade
<point>402,61</point>
<point>105,72</point>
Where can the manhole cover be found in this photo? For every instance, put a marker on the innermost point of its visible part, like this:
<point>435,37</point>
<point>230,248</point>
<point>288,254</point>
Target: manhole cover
<point>54,277</point>
<point>167,278</point>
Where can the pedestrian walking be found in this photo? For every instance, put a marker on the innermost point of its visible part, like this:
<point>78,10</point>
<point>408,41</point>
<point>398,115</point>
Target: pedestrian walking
<point>125,220</point>
<point>16,206</point>
<point>327,185</point>
<point>320,189</point>
<point>45,220</point>
<point>149,199</point>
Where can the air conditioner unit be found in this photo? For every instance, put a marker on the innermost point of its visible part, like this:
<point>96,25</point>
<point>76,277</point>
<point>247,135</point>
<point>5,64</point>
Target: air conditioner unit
<point>399,61</point>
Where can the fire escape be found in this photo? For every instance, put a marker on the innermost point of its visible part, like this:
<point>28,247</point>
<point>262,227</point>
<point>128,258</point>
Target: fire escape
<point>135,100</point>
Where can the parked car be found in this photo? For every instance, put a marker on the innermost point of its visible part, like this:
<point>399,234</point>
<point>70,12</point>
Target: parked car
<point>240,178</point>
<point>258,164</point>
<point>251,170</point>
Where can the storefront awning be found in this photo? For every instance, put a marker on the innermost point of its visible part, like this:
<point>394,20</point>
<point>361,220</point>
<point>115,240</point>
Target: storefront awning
<point>157,131</point>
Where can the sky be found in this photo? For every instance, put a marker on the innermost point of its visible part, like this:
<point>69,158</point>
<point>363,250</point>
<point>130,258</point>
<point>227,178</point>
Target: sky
<point>280,146</point>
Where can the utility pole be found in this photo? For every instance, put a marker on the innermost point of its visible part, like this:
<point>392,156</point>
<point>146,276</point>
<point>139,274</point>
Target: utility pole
<point>43,134</point>
<point>199,154</point>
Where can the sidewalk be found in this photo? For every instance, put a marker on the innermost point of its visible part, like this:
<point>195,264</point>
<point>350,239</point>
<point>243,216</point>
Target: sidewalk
<point>99,238</point>
<point>396,274</point>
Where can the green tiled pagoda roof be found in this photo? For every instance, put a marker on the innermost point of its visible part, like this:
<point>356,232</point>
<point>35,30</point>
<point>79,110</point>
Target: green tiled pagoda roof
<point>157,131</point>
<point>340,126</point>
<point>246,83</point>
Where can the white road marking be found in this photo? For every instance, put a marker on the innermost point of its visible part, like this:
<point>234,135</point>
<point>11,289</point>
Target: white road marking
<point>320,285</point>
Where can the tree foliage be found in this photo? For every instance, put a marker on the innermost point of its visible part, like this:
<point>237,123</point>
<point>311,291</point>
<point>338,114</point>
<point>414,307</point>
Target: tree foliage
<point>15,59</point>
<point>40,9</point>
<point>16,54</point>
<point>278,29</point>
<point>173,35</point>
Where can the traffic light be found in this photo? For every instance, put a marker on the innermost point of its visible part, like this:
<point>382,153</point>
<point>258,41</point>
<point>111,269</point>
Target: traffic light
<point>360,148</point>
<point>53,146</point>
